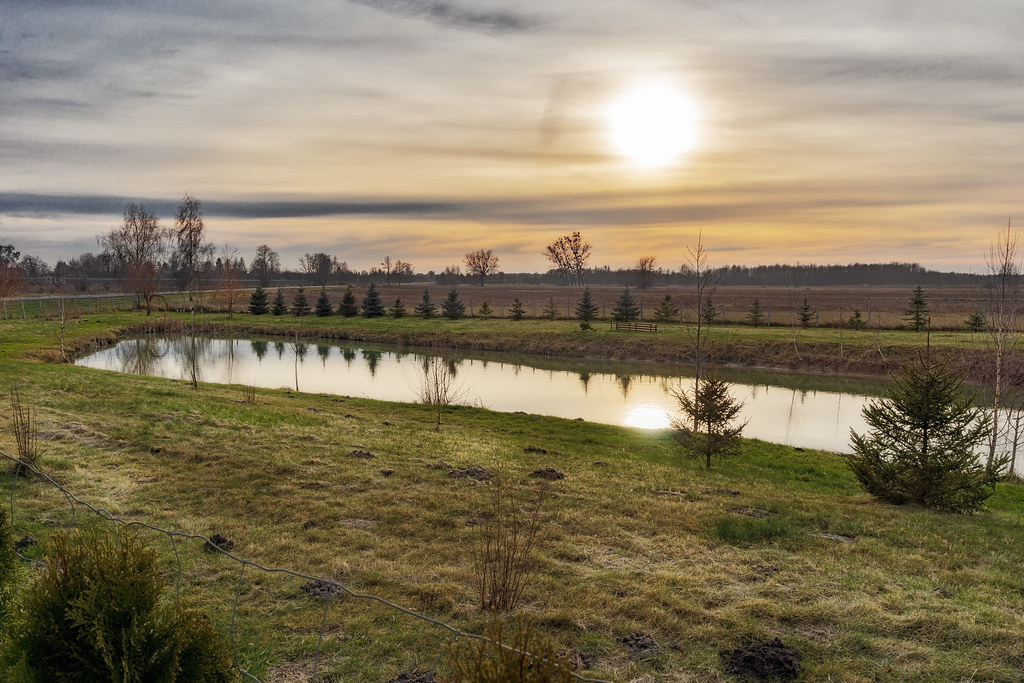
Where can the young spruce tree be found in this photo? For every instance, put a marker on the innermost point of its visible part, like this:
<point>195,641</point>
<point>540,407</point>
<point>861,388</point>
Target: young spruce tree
<point>667,311</point>
<point>323,304</point>
<point>452,307</point>
<point>586,309</point>
<point>920,447</point>
<point>626,308</point>
<point>708,427</point>
<point>299,304</point>
<point>348,307</point>
<point>397,309</point>
<point>258,301</point>
<point>517,311</point>
<point>917,311</point>
<point>805,315</point>
<point>755,314</point>
<point>278,307</point>
<point>425,308</point>
<point>550,310</point>
<point>373,307</point>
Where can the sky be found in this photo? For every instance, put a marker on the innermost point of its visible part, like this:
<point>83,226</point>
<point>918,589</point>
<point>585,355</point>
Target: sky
<point>822,132</point>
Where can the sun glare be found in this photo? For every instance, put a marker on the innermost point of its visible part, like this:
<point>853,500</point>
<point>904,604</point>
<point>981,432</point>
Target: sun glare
<point>652,125</point>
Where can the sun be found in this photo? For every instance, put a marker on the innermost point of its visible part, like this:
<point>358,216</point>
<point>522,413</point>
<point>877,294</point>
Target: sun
<point>652,125</point>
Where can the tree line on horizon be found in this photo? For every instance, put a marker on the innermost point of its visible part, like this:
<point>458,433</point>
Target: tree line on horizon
<point>143,257</point>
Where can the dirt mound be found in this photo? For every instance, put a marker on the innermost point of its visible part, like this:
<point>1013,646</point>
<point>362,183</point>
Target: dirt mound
<point>319,589</point>
<point>762,661</point>
<point>361,454</point>
<point>548,473</point>
<point>640,645</point>
<point>474,472</point>
<point>25,542</point>
<point>414,677</point>
<point>218,542</point>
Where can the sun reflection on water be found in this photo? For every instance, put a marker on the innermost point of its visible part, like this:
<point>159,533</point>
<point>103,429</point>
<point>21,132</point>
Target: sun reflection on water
<point>648,417</point>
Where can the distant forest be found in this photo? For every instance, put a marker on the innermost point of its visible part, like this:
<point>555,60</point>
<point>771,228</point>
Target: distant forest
<point>100,271</point>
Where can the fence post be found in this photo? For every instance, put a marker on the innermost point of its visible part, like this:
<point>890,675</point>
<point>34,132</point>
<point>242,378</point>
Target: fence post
<point>24,315</point>
<point>768,312</point>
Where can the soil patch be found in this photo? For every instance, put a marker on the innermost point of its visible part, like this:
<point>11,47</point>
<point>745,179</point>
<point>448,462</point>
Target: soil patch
<point>361,454</point>
<point>548,473</point>
<point>474,472</point>
<point>218,542</point>
<point>766,570</point>
<point>319,589</point>
<point>25,542</point>
<point>414,677</point>
<point>762,661</point>
<point>641,645</point>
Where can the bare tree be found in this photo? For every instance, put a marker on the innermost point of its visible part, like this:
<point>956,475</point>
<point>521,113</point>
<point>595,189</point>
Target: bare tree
<point>569,255</point>
<point>137,247</point>
<point>10,279</point>
<point>192,250</point>
<point>229,283</point>
<point>265,265</point>
<point>481,263</point>
<point>318,267</point>
<point>705,285</point>
<point>438,384</point>
<point>402,270</point>
<point>645,271</point>
<point>1004,327</point>
<point>387,265</point>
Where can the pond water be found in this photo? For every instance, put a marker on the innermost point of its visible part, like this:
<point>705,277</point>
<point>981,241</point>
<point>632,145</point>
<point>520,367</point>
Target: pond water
<point>799,410</point>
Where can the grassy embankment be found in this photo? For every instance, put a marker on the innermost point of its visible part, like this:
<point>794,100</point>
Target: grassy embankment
<point>649,542</point>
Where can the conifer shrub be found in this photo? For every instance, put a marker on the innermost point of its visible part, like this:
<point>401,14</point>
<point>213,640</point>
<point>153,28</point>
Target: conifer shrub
<point>586,309</point>
<point>373,307</point>
<point>755,314</point>
<point>667,311</point>
<point>626,308</point>
<point>425,308</point>
<point>921,444</point>
<point>8,567</point>
<point>348,308</point>
<point>397,309</point>
<point>518,310</point>
<point>323,304</point>
<point>485,311</point>
<point>300,306</point>
<point>258,301</point>
<point>550,310</point>
<point>278,307</point>
<point>452,307</point>
<point>95,614</point>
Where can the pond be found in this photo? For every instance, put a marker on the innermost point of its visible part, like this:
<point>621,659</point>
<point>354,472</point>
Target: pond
<point>800,410</point>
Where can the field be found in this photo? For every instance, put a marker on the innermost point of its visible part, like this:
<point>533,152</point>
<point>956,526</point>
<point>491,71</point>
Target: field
<point>772,543</point>
<point>880,307</point>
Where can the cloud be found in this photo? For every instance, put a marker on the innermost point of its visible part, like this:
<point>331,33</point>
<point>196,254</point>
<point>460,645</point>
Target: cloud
<point>17,203</point>
<point>454,15</point>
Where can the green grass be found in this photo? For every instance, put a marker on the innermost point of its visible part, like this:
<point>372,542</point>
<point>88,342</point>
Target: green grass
<point>649,542</point>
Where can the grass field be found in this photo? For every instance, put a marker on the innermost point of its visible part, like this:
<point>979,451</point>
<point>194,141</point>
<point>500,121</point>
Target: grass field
<point>646,542</point>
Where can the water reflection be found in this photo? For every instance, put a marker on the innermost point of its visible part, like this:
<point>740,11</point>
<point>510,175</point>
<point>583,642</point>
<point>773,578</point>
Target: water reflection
<point>796,415</point>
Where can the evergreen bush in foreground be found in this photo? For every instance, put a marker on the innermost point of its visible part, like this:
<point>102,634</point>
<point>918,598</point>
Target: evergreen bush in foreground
<point>921,444</point>
<point>95,614</point>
